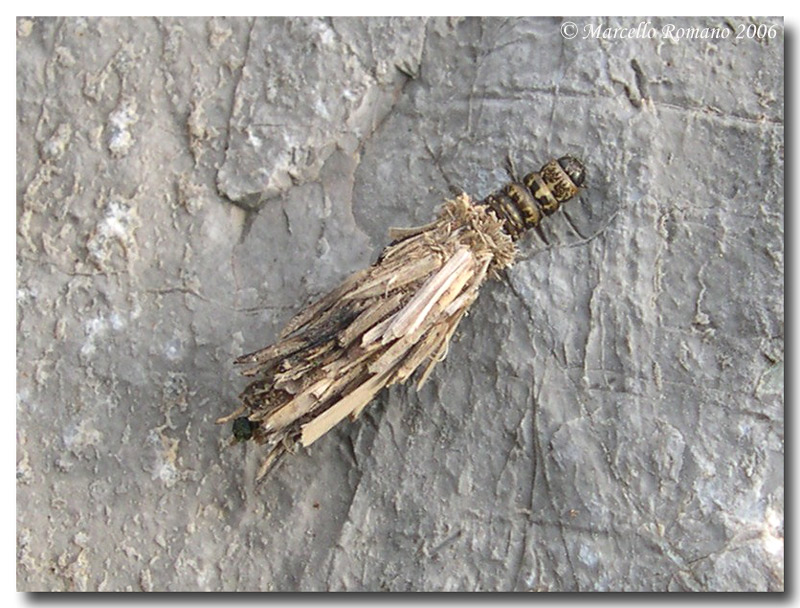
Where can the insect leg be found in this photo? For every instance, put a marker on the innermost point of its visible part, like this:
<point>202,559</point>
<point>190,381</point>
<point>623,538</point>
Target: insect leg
<point>508,165</point>
<point>572,224</point>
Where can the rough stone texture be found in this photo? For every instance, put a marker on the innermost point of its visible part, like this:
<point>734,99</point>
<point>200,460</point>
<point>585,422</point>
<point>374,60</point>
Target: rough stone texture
<point>609,417</point>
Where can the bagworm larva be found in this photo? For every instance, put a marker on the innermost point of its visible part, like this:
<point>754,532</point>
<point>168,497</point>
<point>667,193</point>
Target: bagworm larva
<point>383,323</point>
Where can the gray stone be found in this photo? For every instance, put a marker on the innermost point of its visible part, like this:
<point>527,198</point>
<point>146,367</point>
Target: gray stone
<point>610,414</point>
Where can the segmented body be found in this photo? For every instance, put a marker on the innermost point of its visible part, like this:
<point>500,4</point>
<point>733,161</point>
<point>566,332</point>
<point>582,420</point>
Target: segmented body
<point>522,205</point>
<point>385,322</point>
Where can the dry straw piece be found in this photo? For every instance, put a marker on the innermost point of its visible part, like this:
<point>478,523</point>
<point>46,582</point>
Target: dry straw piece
<point>383,323</point>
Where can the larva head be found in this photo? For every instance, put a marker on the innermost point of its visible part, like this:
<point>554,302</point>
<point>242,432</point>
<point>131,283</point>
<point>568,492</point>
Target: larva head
<point>243,428</point>
<point>574,169</point>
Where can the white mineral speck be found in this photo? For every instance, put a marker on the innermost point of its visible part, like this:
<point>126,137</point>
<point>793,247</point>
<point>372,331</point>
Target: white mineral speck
<point>120,121</point>
<point>173,350</point>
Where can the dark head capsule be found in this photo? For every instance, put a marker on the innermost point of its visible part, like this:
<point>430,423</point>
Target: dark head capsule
<point>574,169</point>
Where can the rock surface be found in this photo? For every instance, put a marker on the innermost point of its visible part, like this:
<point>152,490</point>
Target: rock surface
<point>610,415</point>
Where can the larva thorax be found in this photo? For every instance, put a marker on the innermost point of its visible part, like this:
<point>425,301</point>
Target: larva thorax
<point>523,204</point>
